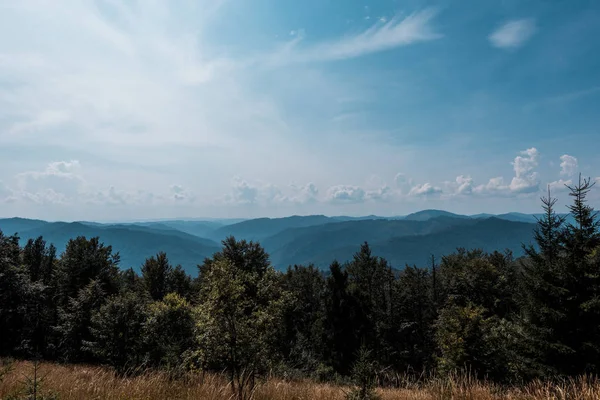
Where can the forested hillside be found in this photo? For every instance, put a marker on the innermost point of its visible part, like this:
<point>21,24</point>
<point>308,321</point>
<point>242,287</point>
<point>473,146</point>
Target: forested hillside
<point>505,319</point>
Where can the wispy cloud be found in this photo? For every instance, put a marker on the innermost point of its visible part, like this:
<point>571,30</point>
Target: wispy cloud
<point>396,32</point>
<point>513,34</point>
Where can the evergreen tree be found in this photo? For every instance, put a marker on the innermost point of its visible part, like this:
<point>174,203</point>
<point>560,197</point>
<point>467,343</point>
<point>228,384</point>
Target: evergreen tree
<point>371,283</point>
<point>343,321</point>
<point>181,283</point>
<point>561,291</point>
<point>74,320</point>
<point>82,262</point>
<point>363,375</point>
<point>14,295</point>
<point>304,318</point>
<point>414,315</point>
<point>156,272</point>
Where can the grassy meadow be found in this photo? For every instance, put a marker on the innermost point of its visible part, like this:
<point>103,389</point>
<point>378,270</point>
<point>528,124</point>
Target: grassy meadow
<point>71,382</point>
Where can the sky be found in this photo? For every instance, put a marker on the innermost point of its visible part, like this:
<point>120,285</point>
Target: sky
<point>123,109</point>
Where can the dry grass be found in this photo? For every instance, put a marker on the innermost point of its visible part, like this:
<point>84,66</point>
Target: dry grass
<point>83,382</point>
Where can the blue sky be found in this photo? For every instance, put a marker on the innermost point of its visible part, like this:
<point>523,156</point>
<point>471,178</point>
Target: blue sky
<point>223,108</point>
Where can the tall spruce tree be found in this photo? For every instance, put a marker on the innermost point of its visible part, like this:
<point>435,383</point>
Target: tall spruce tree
<point>561,290</point>
<point>156,272</point>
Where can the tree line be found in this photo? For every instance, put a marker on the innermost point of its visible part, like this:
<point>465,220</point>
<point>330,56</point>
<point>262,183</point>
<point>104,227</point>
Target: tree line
<point>499,318</point>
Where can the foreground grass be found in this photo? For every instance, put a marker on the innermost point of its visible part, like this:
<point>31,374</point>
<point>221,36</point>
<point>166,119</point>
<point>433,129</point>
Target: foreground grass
<point>84,382</point>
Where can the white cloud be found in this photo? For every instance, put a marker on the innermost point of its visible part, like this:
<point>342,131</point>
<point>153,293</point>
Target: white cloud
<point>494,186</point>
<point>59,182</point>
<point>559,185</point>
<point>526,162</point>
<point>304,194</point>
<point>397,32</point>
<point>181,194</point>
<point>243,193</point>
<point>425,189</point>
<point>384,193</point>
<point>268,194</point>
<point>463,185</point>
<point>525,180</point>
<point>5,193</point>
<point>403,183</point>
<point>345,193</point>
<point>513,34</point>
<point>568,165</point>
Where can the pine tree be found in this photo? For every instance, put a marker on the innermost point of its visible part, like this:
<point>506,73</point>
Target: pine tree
<point>344,321</point>
<point>156,272</point>
<point>371,283</point>
<point>561,290</point>
<point>82,262</point>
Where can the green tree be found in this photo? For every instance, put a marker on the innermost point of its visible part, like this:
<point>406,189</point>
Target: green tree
<point>74,320</point>
<point>414,315</point>
<point>460,337</point>
<point>82,262</point>
<point>116,330</point>
<point>181,283</point>
<point>14,295</point>
<point>561,290</point>
<point>371,283</point>
<point>363,375</point>
<point>343,319</point>
<point>302,344</point>
<point>155,275</point>
<point>169,331</point>
<point>39,260</point>
<point>240,314</point>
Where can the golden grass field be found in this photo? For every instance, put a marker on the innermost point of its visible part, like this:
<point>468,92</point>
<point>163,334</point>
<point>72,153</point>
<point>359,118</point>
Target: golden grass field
<point>84,382</point>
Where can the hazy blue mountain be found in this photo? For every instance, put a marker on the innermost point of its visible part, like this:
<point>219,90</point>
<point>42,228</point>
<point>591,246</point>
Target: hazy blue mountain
<point>134,243</point>
<point>196,228</point>
<point>297,239</point>
<point>342,218</point>
<point>10,226</point>
<point>517,217</point>
<point>409,243</point>
<point>303,245</point>
<point>482,215</point>
<point>429,214</point>
<point>260,228</point>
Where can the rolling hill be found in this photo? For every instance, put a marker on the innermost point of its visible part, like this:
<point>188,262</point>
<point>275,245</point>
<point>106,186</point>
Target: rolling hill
<point>401,242</point>
<point>134,243</point>
<point>429,214</point>
<point>260,228</point>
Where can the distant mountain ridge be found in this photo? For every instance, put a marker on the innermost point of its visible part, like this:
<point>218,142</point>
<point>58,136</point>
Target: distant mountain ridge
<point>134,243</point>
<point>317,239</point>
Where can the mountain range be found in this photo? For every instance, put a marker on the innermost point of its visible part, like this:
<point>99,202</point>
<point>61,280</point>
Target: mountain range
<point>317,239</point>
